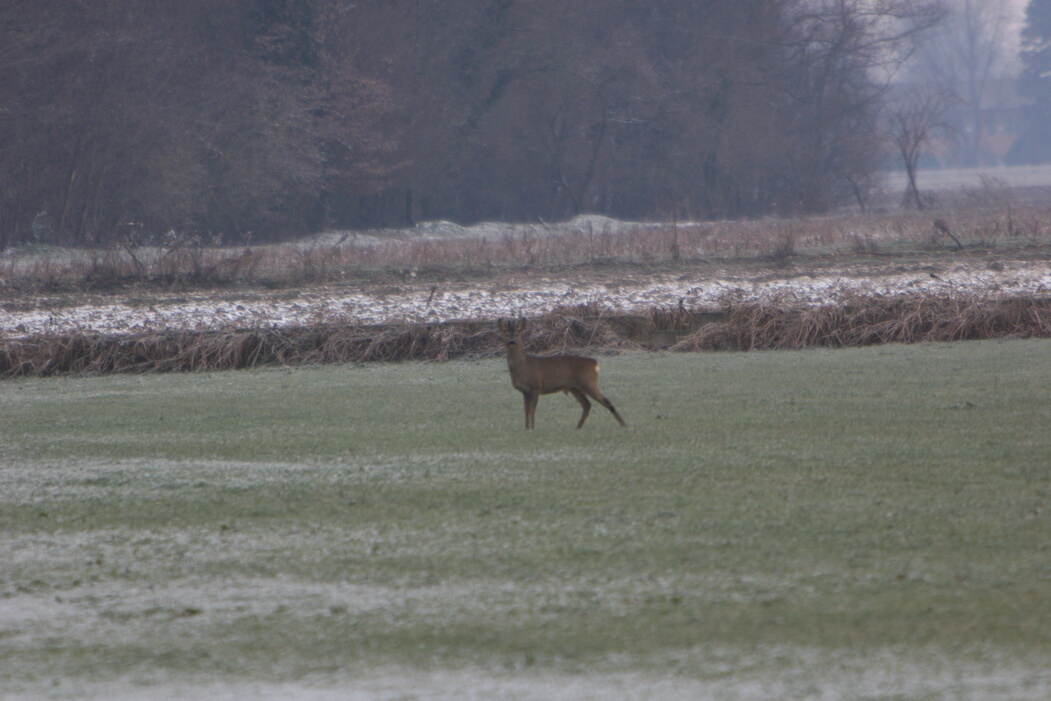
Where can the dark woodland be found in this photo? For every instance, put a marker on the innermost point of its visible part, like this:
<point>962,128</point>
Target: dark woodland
<point>235,120</point>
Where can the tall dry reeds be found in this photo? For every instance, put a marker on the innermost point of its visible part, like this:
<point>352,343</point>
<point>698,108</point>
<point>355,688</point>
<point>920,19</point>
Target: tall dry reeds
<point>869,321</point>
<point>185,351</point>
<point>197,263</point>
<point>747,326</point>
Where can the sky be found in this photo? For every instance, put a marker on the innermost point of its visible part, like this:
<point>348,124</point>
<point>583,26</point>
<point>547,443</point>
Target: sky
<point>1015,10</point>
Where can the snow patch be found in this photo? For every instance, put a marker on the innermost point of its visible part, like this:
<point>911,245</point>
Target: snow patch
<point>415,302</point>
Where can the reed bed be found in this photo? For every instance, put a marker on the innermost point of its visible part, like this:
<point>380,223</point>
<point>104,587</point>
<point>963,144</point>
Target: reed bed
<point>227,350</point>
<point>188,351</point>
<point>872,321</point>
<point>743,327</point>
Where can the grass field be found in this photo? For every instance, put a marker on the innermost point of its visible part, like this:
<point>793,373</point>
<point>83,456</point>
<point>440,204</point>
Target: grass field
<point>869,524</point>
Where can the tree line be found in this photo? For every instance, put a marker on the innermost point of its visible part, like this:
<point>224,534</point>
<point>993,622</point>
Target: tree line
<point>229,119</point>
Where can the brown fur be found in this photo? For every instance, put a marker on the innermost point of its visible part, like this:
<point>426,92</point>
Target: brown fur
<point>533,375</point>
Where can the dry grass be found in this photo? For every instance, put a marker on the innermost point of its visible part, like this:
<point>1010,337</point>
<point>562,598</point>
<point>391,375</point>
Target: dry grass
<point>196,351</point>
<point>197,263</point>
<point>747,326</point>
<point>874,320</point>
<point>741,326</point>
<point>568,329</point>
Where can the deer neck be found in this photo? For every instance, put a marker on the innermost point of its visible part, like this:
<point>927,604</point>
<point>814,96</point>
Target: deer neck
<point>516,356</point>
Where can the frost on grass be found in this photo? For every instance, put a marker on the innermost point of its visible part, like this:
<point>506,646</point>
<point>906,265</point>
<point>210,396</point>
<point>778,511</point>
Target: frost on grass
<point>129,599</point>
<point>730,675</point>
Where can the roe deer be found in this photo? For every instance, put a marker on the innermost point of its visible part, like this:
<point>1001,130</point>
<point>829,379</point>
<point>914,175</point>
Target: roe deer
<point>533,375</point>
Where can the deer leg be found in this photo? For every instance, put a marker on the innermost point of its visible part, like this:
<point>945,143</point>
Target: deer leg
<point>584,403</point>
<point>597,395</point>
<point>531,399</point>
<point>609,405</point>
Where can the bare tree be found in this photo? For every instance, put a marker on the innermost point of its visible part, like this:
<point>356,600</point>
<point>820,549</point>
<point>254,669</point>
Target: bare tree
<point>915,123</point>
<point>199,117</point>
<point>1034,143</point>
<point>840,58</point>
<point>269,117</point>
<point>967,54</point>
<point>98,121</point>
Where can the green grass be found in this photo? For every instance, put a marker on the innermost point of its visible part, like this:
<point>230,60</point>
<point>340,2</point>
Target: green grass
<point>762,512</point>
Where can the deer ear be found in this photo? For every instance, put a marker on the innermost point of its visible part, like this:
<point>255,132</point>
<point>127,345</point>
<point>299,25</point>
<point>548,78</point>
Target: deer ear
<point>501,326</point>
<point>521,323</point>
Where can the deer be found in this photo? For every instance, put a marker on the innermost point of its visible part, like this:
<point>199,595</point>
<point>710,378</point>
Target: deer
<point>533,375</point>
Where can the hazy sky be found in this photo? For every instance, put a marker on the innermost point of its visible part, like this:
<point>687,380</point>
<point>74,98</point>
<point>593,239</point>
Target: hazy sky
<point>1016,11</point>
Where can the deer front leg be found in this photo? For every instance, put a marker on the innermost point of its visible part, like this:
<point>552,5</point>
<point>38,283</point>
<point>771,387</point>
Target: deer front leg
<point>531,399</point>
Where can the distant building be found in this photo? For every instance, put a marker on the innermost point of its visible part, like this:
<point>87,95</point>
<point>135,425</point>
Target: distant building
<point>987,131</point>
<point>982,134</point>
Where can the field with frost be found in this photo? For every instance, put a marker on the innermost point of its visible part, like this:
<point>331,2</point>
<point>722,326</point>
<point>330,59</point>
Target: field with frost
<point>852,524</point>
<point>820,524</point>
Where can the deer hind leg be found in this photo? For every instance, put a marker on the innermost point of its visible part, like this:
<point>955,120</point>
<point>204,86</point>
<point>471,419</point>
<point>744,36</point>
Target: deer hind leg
<point>531,399</point>
<point>583,402</point>
<point>597,395</point>
<point>609,405</point>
